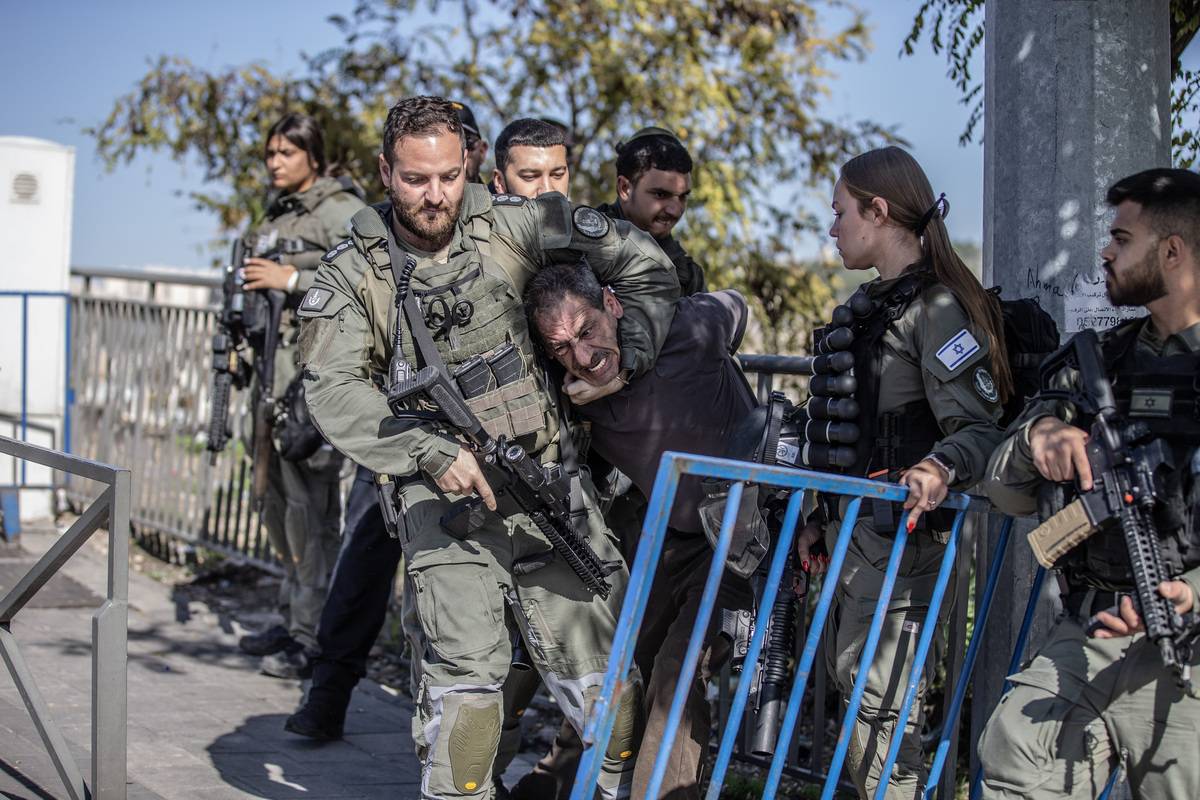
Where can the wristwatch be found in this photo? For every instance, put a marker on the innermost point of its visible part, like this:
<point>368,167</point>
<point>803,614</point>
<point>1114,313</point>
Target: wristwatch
<point>944,463</point>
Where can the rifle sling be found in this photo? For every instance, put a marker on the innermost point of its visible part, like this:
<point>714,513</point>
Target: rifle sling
<point>428,353</point>
<point>570,462</point>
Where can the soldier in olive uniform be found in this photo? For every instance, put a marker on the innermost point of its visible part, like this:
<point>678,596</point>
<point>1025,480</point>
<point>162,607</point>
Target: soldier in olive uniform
<point>654,180</point>
<point>469,258</point>
<point>931,379</point>
<point>1098,695</point>
<point>302,511</point>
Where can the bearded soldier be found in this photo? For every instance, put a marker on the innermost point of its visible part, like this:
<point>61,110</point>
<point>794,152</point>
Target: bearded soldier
<point>467,257</point>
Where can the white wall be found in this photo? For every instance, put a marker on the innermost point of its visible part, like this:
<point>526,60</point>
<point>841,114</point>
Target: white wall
<point>36,194</point>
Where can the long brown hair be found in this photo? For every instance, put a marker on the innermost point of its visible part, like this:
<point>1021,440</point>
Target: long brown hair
<point>894,175</point>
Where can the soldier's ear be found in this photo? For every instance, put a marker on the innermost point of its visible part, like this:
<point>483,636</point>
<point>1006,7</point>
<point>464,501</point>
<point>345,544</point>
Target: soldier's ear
<point>385,170</point>
<point>498,179</point>
<point>878,210</point>
<point>624,188</point>
<point>1175,252</point>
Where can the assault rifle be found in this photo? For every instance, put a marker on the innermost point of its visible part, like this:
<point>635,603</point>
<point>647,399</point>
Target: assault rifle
<point>247,320</point>
<point>543,494</point>
<point>1124,458</point>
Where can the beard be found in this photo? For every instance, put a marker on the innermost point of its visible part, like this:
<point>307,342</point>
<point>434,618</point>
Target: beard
<point>431,235</point>
<point>1142,284</point>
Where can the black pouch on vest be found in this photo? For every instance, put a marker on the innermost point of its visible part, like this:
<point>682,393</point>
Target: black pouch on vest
<point>296,437</point>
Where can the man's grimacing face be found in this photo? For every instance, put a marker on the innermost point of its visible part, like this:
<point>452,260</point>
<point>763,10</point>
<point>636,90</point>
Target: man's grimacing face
<point>425,182</point>
<point>583,338</point>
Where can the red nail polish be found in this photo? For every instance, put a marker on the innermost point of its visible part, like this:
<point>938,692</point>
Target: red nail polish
<point>912,523</point>
<point>804,565</point>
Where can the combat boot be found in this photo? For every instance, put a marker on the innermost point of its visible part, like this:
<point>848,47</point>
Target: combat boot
<point>264,643</point>
<point>316,720</point>
<point>294,662</point>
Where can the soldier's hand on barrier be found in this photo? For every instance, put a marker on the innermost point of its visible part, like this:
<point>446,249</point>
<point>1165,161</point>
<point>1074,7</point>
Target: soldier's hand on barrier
<point>1108,624</point>
<point>927,488</point>
<point>1060,451</point>
<point>263,274</point>
<point>581,392</point>
<point>806,540</point>
<point>465,477</point>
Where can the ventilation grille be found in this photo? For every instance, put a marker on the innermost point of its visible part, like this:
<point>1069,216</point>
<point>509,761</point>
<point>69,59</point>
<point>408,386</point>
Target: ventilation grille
<point>25,188</point>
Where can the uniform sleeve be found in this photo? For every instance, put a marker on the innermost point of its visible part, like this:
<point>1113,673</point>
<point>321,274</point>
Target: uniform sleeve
<point>958,385</point>
<point>337,348</point>
<point>335,215</point>
<point>1011,482</point>
<point>550,230</point>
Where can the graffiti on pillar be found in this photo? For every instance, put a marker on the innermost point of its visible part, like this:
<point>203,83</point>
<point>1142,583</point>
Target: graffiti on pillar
<point>1083,297</point>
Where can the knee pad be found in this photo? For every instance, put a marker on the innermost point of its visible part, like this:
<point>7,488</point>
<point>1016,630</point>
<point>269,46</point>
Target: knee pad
<point>628,725</point>
<point>472,741</point>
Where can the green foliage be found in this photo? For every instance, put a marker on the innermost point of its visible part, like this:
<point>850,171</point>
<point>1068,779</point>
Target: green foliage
<point>741,81</point>
<point>955,27</point>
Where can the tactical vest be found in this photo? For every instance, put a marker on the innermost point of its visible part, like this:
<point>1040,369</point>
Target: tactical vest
<point>900,438</point>
<point>1164,395</point>
<point>477,323</point>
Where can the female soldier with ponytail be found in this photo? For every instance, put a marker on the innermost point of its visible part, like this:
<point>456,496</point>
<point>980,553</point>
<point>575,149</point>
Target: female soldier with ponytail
<point>307,214</point>
<point>931,376</point>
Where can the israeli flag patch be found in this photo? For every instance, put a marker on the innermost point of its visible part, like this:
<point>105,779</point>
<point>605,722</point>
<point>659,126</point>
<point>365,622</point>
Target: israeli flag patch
<point>955,352</point>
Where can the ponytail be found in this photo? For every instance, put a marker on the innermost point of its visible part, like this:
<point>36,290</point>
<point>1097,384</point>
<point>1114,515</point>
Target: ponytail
<point>894,175</point>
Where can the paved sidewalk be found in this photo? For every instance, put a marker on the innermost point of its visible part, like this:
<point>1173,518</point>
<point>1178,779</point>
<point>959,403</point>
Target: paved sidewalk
<point>202,722</point>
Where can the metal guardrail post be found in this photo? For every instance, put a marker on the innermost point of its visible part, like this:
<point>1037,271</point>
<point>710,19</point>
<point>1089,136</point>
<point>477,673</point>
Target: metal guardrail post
<point>109,627</point>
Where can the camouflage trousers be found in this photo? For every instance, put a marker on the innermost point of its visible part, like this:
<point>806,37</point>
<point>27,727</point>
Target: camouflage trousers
<point>845,634</point>
<point>302,513</point>
<point>460,591</point>
<point>1082,707</point>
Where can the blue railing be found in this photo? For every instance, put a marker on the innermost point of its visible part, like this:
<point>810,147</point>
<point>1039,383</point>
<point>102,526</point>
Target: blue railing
<point>672,468</point>
<point>23,422</point>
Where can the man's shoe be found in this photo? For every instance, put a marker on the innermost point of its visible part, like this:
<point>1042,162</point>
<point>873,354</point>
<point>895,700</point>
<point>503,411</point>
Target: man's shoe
<point>264,643</point>
<point>316,722</point>
<point>294,663</point>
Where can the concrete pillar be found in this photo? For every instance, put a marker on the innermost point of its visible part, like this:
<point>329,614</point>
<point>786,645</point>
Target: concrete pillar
<point>1077,95</point>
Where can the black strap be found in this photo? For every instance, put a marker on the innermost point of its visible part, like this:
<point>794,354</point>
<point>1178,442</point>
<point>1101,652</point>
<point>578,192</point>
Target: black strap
<point>569,456</point>
<point>426,349</point>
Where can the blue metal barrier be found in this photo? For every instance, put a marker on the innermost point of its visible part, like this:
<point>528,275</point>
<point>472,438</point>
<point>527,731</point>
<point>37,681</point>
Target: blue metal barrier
<point>672,467</point>
<point>67,394</point>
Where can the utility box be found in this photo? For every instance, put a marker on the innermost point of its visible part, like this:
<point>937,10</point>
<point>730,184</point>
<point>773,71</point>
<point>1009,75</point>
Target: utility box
<point>37,179</point>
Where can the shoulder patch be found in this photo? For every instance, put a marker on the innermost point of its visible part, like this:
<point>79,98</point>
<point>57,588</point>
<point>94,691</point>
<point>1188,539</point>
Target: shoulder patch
<point>340,248</point>
<point>315,299</point>
<point>985,385</point>
<point>957,349</point>
<point>508,200</point>
<point>590,222</point>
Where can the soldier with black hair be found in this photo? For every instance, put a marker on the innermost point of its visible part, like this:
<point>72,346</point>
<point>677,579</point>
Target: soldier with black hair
<point>531,159</point>
<point>654,181</point>
<point>1099,694</point>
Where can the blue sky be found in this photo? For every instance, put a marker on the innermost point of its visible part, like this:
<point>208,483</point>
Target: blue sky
<point>75,58</point>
